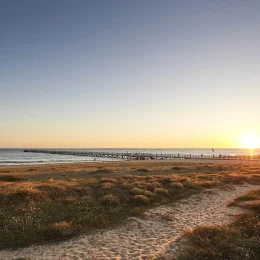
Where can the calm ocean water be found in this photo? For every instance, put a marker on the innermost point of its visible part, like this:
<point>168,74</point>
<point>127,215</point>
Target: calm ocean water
<point>18,157</point>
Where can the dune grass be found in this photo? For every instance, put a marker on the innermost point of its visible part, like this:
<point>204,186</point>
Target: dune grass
<point>48,210</point>
<point>57,202</point>
<point>239,240</point>
<point>9,178</point>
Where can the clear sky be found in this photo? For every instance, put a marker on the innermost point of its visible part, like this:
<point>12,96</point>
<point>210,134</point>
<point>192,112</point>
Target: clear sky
<point>129,73</point>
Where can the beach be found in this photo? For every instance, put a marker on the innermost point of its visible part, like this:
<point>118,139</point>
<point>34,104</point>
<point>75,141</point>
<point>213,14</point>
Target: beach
<point>147,206</point>
<point>129,130</point>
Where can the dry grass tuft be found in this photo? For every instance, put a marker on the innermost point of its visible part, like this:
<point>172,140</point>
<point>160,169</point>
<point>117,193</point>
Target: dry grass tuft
<point>151,186</point>
<point>126,185</point>
<point>63,228</point>
<point>138,191</point>
<point>161,191</point>
<point>31,170</point>
<point>105,170</point>
<point>239,240</point>
<point>10,178</point>
<point>141,199</point>
<point>142,170</point>
<point>22,258</point>
<point>156,184</point>
<point>178,168</point>
<point>111,180</point>
<point>110,200</point>
<point>176,185</point>
<point>107,186</point>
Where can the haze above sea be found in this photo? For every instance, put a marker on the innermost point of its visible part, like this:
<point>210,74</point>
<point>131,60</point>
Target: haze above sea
<point>18,157</point>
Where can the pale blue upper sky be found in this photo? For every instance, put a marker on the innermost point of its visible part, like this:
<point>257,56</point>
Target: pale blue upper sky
<point>128,73</point>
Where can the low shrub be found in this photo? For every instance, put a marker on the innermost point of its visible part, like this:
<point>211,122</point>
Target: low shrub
<point>31,170</point>
<point>22,258</point>
<point>138,191</point>
<point>111,180</point>
<point>156,184</point>
<point>177,185</point>
<point>126,185</point>
<point>150,186</point>
<point>10,178</point>
<point>62,227</point>
<point>110,200</point>
<point>142,170</point>
<point>206,184</point>
<point>105,170</point>
<point>140,184</point>
<point>107,185</point>
<point>161,191</point>
<point>141,199</point>
<point>25,195</point>
<point>177,168</point>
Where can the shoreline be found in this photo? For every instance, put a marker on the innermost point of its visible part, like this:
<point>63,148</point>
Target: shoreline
<point>150,162</point>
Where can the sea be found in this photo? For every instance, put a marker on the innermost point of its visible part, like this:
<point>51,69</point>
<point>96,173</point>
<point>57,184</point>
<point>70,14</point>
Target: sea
<point>18,157</point>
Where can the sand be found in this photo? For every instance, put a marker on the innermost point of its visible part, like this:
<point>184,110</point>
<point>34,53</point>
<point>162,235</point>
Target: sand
<point>147,237</point>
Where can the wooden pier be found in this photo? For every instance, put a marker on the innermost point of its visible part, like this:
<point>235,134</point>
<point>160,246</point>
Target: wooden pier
<point>143,156</point>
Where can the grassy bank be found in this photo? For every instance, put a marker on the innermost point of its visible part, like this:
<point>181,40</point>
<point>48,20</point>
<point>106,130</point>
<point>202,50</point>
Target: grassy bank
<point>36,209</point>
<point>239,240</point>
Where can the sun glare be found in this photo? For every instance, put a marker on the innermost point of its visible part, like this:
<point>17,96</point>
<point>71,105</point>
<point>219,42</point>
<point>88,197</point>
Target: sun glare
<point>250,141</point>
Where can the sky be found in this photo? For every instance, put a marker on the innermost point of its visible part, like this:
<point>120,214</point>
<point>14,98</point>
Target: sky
<point>129,74</point>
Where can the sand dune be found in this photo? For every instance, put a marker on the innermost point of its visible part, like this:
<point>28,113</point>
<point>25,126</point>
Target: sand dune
<point>143,238</point>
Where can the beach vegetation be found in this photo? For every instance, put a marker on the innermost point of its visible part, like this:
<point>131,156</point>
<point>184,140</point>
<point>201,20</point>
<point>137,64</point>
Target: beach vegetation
<point>107,185</point>
<point>178,168</point>
<point>55,203</point>
<point>161,191</point>
<point>110,200</point>
<point>104,170</point>
<point>10,178</point>
<point>176,185</point>
<point>141,199</point>
<point>142,170</point>
<point>111,180</point>
<point>138,191</point>
<point>237,240</point>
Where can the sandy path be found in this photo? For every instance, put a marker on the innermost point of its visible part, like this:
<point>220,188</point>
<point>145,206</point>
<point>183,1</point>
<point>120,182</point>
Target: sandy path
<point>143,238</point>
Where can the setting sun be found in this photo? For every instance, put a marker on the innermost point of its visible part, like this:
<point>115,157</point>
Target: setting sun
<point>250,141</point>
